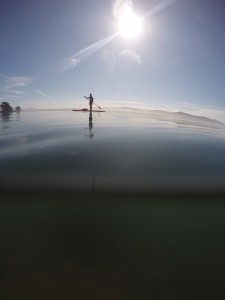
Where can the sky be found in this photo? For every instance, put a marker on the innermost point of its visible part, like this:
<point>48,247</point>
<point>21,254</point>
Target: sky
<point>53,52</point>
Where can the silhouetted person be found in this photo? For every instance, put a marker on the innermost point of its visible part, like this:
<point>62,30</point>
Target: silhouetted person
<point>91,100</point>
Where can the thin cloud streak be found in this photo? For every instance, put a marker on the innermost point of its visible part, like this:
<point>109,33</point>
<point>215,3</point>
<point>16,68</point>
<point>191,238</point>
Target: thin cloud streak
<point>18,82</point>
<point>10,83</point>
<point>17,92</point>
<point>4,76</point>
<point>45,95</point>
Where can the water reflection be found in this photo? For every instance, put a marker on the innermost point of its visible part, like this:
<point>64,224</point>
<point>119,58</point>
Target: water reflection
<point>91,134</point>
<point>18,116</point>
<point>6,117</point>
<point>92,169</point>
<point>56,149</point>
<point>90,126</point>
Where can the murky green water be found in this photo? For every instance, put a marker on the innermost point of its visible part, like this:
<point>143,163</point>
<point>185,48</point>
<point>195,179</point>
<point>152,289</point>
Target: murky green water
<point>114,207</point>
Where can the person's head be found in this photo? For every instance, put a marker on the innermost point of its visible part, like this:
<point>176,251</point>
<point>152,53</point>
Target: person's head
<point>90,95</point>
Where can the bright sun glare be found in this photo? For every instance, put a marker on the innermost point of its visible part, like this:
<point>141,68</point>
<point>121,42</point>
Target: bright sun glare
<point>130,25</point>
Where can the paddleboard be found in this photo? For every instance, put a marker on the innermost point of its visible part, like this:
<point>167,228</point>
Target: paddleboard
<point>87,110</point>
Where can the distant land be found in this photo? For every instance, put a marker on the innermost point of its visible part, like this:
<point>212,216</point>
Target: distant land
<point>178,117</point>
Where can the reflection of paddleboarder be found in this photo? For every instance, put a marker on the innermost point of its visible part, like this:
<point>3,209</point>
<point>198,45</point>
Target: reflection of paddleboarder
<point>90,121</point>
<point>90,127</point>
<point>91,134</point>
<point>91,100</point>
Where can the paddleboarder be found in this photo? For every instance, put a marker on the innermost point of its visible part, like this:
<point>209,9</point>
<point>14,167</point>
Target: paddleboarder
<point>91,100</point>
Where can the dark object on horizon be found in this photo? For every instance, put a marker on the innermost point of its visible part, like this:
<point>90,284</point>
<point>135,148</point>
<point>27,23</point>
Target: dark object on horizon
<point>87,110</point>
<point>6,107</point>
<point>18,109</point>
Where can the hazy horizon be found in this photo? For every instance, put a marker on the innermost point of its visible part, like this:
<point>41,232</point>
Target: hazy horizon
<point>211,113</point>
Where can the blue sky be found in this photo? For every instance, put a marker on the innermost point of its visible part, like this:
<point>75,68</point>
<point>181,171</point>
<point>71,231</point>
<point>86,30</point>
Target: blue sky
<point>53,52</point>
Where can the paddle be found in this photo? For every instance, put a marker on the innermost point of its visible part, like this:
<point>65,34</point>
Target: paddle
<point>93,102</point>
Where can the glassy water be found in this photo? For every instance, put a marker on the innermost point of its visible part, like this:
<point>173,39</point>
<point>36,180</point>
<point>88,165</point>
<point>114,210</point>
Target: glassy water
<point>110,150</point>
<point>110,206</point>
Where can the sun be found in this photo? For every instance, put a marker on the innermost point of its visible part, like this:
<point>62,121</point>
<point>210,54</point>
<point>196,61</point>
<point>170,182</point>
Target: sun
<point>130,25</point>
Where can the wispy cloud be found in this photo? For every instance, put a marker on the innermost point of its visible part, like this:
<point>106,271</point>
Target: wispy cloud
<point>45,95</point>
<point>18,82</point>
<point>13,82</point>
<point>17,92</point>
<point>4,76</point>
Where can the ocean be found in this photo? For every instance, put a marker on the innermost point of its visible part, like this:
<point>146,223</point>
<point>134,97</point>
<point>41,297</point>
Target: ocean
<point>126,204</point>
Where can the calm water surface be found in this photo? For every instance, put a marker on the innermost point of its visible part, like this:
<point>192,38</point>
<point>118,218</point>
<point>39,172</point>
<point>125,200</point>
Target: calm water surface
<point>87,211</point>
<point>111,150</point>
